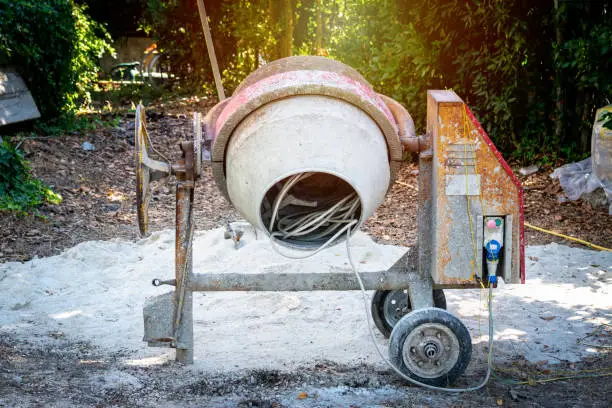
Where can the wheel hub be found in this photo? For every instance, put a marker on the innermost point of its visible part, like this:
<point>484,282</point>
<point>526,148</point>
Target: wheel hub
<point>395,306</point>
<point>431,350</point>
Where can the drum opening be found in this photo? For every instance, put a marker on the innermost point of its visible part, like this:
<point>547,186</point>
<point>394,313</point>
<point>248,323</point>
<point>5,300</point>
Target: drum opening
<point>308,209</point>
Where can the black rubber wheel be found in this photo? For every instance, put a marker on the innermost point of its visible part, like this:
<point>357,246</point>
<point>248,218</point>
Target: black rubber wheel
<point>389,306</point>
<point>431,346</point>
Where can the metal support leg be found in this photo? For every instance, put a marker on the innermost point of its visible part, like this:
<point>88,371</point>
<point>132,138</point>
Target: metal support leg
<point>420,290</point>
<point>183,299</point>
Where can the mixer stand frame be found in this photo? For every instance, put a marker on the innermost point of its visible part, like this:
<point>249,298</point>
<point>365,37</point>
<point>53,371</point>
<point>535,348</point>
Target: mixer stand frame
<point>404,274</point>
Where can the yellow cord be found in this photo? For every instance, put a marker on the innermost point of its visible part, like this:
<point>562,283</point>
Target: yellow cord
<point>467,196</point>
<point>532,381</point>
<point>487,296</point>
<point>482,206</point>
<point>581,241</point>
<point>566,373</point>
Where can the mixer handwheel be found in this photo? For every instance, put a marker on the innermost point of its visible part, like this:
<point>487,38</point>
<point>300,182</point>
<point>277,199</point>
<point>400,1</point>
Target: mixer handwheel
<point>147,170</point>
<point>143,194</point>
<point>431,346</point>
<point>389,306</point>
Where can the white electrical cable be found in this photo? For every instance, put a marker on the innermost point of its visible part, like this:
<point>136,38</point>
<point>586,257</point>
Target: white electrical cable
<point>279,198</point>
<point>314,220</point>
<point>322,247</point>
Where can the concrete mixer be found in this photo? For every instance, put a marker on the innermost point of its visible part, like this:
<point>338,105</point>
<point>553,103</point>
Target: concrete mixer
<point>306,150</point>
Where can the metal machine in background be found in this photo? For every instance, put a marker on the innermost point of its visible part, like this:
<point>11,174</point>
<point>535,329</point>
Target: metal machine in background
<point>16,101</point>
<point>306,133</point>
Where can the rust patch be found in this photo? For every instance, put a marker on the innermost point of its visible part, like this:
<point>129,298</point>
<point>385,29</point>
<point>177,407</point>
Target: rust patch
<point>461,148</point>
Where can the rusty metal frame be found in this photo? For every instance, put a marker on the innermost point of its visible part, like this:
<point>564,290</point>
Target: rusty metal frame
<point>463,178</point>
<point>413,271</point>
<point>403,274</point>
<point>183,295</point>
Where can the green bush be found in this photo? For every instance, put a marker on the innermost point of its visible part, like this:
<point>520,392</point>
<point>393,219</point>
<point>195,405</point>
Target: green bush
<point>533,73</point>
<point>55,47</point>
<point>19,191</point>
<point>406,48</point>
<point>175,25</point>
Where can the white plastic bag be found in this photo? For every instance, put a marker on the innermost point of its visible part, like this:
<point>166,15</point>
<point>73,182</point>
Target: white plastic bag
<point>578,178</point>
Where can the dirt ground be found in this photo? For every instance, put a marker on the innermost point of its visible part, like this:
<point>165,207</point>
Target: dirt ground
<point>77,374</point>
<point>98,188</point>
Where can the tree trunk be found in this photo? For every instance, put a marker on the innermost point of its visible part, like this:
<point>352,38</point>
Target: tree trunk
<point>281,22</point>
<point>319,33</point>
<point>285,42</point>
<point>558,87</point>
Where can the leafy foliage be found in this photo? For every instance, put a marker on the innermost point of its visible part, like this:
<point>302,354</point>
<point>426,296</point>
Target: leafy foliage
<point>606,118</point>
<point>175,25</point>
<point>245,33</point>
<point>55,46</point>
<point>533,73</point>
<point>119,23</point>
<point>19,191</point>
<point>499,56</point>
<point>585,62</point>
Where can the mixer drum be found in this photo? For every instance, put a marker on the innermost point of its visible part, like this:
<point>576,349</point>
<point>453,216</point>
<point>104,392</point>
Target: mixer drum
<point>310,116</point>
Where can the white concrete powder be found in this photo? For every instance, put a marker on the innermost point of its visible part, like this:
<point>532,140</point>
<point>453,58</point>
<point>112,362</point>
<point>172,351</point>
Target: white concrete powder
<point>95,292</point>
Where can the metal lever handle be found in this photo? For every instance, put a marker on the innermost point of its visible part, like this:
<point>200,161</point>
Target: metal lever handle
<point>158,282</point>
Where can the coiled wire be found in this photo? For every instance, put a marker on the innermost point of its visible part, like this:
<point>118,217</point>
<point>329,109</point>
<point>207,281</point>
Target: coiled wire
<point>311,225</point>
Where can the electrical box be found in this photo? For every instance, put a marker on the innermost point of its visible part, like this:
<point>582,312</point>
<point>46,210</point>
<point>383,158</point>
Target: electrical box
<point>468,197</point>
